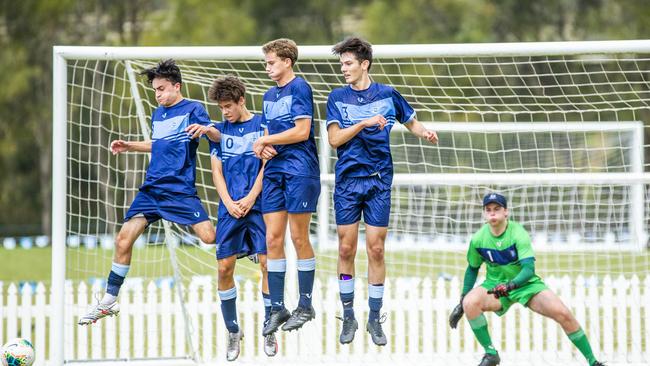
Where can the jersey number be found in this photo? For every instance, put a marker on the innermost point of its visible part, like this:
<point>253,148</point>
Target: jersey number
<point>229,143</point>
<point>345,113</point>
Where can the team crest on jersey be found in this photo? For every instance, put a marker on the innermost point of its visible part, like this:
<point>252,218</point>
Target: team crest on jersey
<point>241,130</point>
<point>360,99</point>
<point>499,243</point>
<point>164,115</point>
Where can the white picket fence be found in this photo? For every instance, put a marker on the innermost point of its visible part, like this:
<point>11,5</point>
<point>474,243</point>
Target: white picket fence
<point>615,314</point>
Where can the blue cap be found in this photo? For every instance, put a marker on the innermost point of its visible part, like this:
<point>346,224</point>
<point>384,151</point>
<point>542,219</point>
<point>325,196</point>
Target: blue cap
<point>495,198</point>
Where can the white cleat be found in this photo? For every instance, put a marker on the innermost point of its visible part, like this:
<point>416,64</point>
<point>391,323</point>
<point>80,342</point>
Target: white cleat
<point>270,345</point>
<point>98,312</point>
<point>234,342</point>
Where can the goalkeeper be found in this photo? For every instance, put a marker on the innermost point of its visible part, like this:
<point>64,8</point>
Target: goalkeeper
<point>505,247</point>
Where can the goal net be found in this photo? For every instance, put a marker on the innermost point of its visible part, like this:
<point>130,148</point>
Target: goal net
<point>561,129</point>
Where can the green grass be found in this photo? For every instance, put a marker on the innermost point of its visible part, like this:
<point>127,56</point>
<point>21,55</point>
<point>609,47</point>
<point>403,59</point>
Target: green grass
<point>152,262</point>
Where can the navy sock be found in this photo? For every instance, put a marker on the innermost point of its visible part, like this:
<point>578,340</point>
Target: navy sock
<point>267,306</point>
<point>276,270</point>
<point>375,300</point>
<point>229,309</point>
<point>306,270</point>
<point>346,290</point>
<point>116,278</point>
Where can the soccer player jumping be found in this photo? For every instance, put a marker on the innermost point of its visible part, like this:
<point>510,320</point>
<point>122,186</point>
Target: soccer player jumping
<point>505,247</point>
<point>359,119</point>
<point>237,175</point>
<point>291,183</point>
<point>168,191</point>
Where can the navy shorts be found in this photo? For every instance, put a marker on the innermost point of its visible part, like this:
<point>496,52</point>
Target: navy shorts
<point>291,193</point>
<point>370,195</point>
<point>178,208</point>
<point>241,237</point>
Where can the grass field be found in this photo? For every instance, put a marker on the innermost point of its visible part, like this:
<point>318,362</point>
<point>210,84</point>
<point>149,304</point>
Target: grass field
<point>151,262</point>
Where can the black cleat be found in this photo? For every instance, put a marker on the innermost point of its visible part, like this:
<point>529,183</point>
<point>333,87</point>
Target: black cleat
<point>276,319</point>
<point>376,332</point>
<point>598,364</point>
<point>350,326</point>
<point>490,360</point>
<point>299,317</point>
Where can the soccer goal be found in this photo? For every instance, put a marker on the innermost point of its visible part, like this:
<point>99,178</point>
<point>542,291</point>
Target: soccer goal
<point>562,129</point>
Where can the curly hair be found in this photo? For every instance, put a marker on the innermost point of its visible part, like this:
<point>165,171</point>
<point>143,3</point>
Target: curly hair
<point>228,88</point>
<point>165,69</point>
<point>283,48</point>
<point>360,48</point>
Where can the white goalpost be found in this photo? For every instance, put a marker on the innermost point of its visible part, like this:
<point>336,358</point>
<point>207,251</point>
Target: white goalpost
<point>561,128</point>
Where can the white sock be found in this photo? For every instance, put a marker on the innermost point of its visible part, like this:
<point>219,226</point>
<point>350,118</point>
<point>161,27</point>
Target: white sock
<point>108,299</point>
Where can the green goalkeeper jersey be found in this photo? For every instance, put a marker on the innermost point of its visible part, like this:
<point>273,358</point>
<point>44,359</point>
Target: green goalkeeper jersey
<point>501,253</point>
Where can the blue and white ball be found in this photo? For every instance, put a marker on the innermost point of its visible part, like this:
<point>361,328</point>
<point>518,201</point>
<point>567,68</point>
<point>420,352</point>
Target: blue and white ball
<point>17,352</point>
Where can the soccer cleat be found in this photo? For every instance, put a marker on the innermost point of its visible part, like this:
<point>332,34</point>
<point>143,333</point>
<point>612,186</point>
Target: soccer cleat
<point>490,360</point>
<point>270,345</point>
<point>299,317</point>
<point>98,312</point>
<point>350,326</point>
<point>376,332</point>
<point>598,364</point>
<point>234,342</point>
<point>276,319</point>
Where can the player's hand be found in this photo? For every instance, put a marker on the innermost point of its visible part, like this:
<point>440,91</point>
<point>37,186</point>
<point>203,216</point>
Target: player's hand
<point>431,136</point>
<point>456,314</point>
<point>268,152</point>
<point>258,147</point>
<point>502,289</point>
<point>197,130</point>
<point>234,210</point>
<point>245,204</point>
<point>378,120</point>
<point>119,146</point>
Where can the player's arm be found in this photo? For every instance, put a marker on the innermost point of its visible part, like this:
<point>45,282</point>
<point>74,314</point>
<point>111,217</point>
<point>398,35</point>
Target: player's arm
<point>197,130</point>
<point>338,136</point>
<point>420,131</point>
<point>220,184</point>
<point>526,273</point>
<point>120,146</point>
<point>297,133</point>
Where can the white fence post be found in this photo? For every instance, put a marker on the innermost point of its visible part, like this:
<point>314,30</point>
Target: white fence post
<point>39,329</point>
<point>635,318</point>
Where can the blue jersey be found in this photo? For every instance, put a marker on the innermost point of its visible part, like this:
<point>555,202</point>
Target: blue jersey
<point>240,166</point>
<point>282,107</point>
<point>173,153</point>
<point>368,152</point>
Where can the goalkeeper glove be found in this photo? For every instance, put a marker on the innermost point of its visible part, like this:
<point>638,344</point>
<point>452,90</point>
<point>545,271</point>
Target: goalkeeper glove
<point>502,289</point>
<point>456,314</point>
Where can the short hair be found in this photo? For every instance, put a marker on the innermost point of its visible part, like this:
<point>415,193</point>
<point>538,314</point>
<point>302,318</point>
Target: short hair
<point>359,47</point>
<point>283,48</point>
<point>166,70</point>
<point>228,88</point>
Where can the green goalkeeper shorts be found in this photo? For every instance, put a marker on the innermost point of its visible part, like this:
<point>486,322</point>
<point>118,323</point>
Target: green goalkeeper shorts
<point>520,295</point>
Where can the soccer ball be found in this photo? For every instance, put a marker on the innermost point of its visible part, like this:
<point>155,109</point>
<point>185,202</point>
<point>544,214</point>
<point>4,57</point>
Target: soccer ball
<point>17,352</point>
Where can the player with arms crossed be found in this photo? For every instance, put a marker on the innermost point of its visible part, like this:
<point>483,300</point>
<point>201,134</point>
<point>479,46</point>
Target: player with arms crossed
<point>291,184</point>
<point>168,191</point>
<point>505,247</point>
<point>359,119</point>
<point>237,174</point>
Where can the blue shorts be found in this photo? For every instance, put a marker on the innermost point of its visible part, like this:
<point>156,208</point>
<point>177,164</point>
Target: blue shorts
<point>178,208</point>
<point>291,193</point>
<point>241,237</point>
<point>370,195</point>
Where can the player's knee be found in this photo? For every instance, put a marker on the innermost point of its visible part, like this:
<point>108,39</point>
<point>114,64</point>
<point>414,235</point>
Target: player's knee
<point>564,316</point>
<point>376,253</point>
<point>208,237</point>
<point>226,272</point>
<point>300,241</point>
<point>471,303</point>
<point>346,251</point>
<point>274,240</point>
